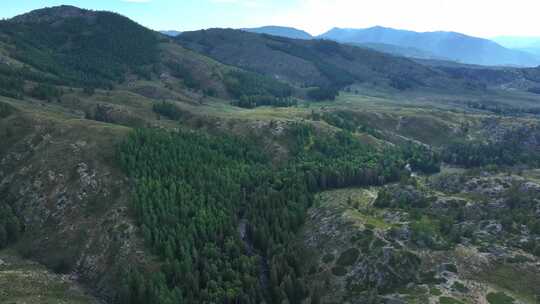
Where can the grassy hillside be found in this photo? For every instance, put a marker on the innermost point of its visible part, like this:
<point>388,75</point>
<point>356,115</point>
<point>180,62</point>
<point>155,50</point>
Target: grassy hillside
<point>24,281</point>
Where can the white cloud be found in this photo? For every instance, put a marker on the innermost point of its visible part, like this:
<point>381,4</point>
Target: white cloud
<point>475,17</point>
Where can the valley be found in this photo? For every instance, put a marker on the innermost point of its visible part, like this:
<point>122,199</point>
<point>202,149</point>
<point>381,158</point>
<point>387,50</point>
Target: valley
<point>190,170</point>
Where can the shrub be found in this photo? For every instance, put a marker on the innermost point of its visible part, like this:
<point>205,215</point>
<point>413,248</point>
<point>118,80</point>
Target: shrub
<point>348,257</point>
<point>327,258</point>
<point>320,94</point>
<point>339,271</point>
<point>460,287</point>
<point>168,110</point>
<point>435,291</point>
<point>5,110</point>
<point>499,298</point>
<point>45,92</point>
<point>448,300</point>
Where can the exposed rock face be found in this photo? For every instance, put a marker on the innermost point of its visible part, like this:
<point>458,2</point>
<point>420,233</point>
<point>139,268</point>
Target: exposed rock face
<point>519,132</point>
<point>359,259</point>
<point>72,200</point>
<point>392,245</point>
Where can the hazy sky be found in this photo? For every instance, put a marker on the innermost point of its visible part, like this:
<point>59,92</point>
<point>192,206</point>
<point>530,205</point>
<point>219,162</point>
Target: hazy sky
<point>484,18</point>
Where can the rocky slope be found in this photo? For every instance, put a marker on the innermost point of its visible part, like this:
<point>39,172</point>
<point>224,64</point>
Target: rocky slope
<point>368,254</point>
<point>23,281</point>
<point>58,173</point>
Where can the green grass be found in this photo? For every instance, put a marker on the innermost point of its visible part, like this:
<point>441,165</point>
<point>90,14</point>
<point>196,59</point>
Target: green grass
<point>499,298</point>
<point>435,291</point>
<point>523,284</point>
<point>26,282</point>
<point>415,295</point>
<point>369,220</point>
<point>460,287</point>
<point>448,300</point>
<point>355,206</point>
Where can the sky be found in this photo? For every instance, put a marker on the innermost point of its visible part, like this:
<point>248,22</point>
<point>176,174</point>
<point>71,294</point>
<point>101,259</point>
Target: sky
<point>482,18</point>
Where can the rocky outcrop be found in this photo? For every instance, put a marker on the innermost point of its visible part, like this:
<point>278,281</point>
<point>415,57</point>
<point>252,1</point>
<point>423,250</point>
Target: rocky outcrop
<point>73,201</point>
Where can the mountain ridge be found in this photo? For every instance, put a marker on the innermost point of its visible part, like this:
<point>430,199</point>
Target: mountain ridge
<point>171,33</point>
<point>312,63</point>
<point>453,45</point>
<point>282,31</point>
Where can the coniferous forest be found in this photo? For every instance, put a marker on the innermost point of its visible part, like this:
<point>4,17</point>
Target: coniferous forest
<point>221,217</point>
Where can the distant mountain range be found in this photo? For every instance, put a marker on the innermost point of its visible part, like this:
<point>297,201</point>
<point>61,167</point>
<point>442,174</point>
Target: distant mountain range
<point>525,44</point>
<point>397,50</point>
<point>448,46</point>
<point>288,32</point>
<point>171,33</point>
<point>454,46</point>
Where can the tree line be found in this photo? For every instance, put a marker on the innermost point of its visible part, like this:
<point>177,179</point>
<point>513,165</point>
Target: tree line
<point>507,152</point>
<point>10,226</point>
<point>251,90</point>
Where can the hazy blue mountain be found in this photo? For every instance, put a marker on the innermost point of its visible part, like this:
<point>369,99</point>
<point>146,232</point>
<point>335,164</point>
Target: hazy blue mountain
<point>450,45</point>
<point>532,50</point>
<point>171,33</point>
<point>522,43</point>
<point>517,42</point>
<point>399,50</point>
<point>287,32</point>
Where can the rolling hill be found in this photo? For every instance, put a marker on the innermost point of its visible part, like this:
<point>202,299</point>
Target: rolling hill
<point>450,45</point>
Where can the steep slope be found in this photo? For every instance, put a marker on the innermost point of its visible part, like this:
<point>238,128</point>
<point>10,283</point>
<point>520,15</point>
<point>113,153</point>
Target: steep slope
<point>58,173</point>
<point>64,200</point>
<point>67,46</point>
<point>451,45</point>
<point>287,32</point>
